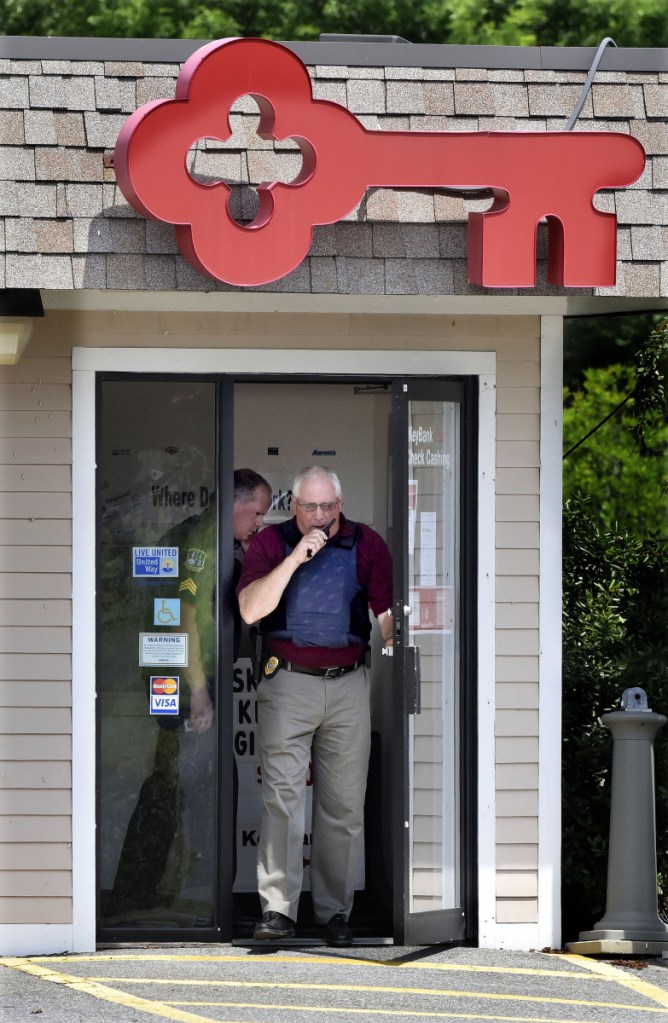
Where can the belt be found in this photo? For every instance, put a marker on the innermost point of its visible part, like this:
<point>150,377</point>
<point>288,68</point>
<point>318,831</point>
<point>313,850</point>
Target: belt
<point>334,672</point>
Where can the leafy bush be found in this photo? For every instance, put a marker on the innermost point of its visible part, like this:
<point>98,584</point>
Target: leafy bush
<point>501,22</point>
<point>622,474</point>
<point>615,637</point>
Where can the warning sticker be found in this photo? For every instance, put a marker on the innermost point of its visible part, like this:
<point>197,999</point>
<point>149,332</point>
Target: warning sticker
<point>161,648</point>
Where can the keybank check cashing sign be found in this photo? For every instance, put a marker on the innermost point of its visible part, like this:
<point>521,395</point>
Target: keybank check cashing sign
<point>531,175</point>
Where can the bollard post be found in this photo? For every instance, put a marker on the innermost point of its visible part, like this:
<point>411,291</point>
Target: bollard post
<point>631,922</point>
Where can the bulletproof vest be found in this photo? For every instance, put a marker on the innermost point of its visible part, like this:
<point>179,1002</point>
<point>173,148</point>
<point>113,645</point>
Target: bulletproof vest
<point>323,604</point>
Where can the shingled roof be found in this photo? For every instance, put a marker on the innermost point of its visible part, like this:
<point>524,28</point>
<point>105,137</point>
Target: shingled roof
<point>66,225</point>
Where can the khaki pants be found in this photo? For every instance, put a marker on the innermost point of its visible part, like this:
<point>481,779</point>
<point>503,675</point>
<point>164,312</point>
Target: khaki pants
<point>304,718</point>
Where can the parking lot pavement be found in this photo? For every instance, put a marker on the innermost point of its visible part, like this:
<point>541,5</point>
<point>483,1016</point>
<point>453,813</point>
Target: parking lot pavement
<point>386,984</point>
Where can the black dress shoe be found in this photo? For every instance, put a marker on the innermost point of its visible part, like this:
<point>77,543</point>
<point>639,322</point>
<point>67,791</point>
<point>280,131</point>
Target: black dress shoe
<point>272,926</point>
<point>337,932</point>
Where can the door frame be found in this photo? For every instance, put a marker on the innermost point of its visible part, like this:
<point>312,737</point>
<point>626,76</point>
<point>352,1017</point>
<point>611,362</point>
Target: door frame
<point>86,363</point>
<point>458,922</point>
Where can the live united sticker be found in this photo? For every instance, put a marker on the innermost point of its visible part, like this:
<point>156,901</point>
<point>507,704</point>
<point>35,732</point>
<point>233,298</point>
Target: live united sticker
<point>155,562</point>
<point>164,694</point>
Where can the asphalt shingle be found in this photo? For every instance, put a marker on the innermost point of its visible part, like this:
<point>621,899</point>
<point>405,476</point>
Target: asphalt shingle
<point>57,118</point>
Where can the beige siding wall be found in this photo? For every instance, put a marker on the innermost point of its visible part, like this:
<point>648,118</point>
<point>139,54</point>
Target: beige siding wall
<point>36,561</point>
<point>517,636</point>
<point>35,640</point>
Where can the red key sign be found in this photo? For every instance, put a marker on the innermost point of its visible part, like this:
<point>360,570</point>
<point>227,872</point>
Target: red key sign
<point>531,175</point>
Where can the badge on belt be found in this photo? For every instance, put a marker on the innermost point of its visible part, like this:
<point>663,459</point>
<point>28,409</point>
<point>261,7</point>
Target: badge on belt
<point>271,667</point>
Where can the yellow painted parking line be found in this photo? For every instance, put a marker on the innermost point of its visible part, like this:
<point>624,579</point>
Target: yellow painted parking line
<point>379,989</point>
<point>510,971</point>
<point>106,994</point>
<point>521,971</point>
<point>366,1011</point>
<point>105,987</point>
<point>609,972</point>
<point>98,986</point>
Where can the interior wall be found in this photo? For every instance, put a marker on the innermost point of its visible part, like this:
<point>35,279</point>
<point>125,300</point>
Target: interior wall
<point>282,427</point>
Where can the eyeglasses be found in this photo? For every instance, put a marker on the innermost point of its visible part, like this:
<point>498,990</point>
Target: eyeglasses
<point>311,506</point>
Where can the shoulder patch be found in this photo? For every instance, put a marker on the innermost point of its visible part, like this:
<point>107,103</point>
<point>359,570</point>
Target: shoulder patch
<point>195,559</point>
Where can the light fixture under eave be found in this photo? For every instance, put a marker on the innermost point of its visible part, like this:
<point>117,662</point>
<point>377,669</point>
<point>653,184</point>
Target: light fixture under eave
<point>15,332</point>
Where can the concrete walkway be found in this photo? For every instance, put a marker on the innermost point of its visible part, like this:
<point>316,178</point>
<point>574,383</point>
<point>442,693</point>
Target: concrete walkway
<point>387,984</point>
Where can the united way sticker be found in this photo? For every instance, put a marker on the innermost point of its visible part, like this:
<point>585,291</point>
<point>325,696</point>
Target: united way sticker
<point>164,694</point>
<point>155,562</point>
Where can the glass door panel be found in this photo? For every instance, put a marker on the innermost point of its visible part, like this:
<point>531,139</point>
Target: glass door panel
<point>157,644</point>
<point>433,554</point>
<point>427,620</point>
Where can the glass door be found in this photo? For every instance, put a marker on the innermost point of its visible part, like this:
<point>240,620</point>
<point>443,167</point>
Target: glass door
<point>166,780</point>
<point>429,661</point>
<point>160,780</point>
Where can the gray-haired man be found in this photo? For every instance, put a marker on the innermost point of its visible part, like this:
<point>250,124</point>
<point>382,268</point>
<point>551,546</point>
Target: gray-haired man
<point>310,582</point>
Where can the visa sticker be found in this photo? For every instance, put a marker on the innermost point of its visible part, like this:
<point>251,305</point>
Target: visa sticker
<point>164,694</point>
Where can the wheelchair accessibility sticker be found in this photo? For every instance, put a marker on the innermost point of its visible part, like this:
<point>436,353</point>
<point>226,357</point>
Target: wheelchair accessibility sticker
<point>164,694</point>
<point>166,611</point>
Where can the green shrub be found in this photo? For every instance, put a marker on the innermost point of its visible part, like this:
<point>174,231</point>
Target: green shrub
<point>615,637</point>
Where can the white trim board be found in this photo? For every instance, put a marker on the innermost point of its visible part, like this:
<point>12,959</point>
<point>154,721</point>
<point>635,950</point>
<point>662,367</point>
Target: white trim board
<point>86,362</point>
<point>83,657</point>
<point>299,302</point>
<point>295,361</point>
<point>37,939</point>
<point>549,701</point>
<point>491,304</point>
<point>486,657</point>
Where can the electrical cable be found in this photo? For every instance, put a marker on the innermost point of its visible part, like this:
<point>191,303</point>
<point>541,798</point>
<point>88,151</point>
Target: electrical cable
<point>608,41</point>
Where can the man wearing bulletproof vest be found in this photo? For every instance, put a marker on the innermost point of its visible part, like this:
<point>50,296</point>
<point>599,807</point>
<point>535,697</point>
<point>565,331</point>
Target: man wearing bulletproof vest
<point>309,583</point>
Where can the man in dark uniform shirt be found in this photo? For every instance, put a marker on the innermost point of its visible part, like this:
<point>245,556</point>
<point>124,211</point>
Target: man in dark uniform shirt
<point>252,498</point>
<point>153,867</point>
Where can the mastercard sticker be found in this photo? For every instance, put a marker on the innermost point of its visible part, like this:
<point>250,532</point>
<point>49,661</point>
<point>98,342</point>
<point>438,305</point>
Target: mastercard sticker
<point>164,694</point>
